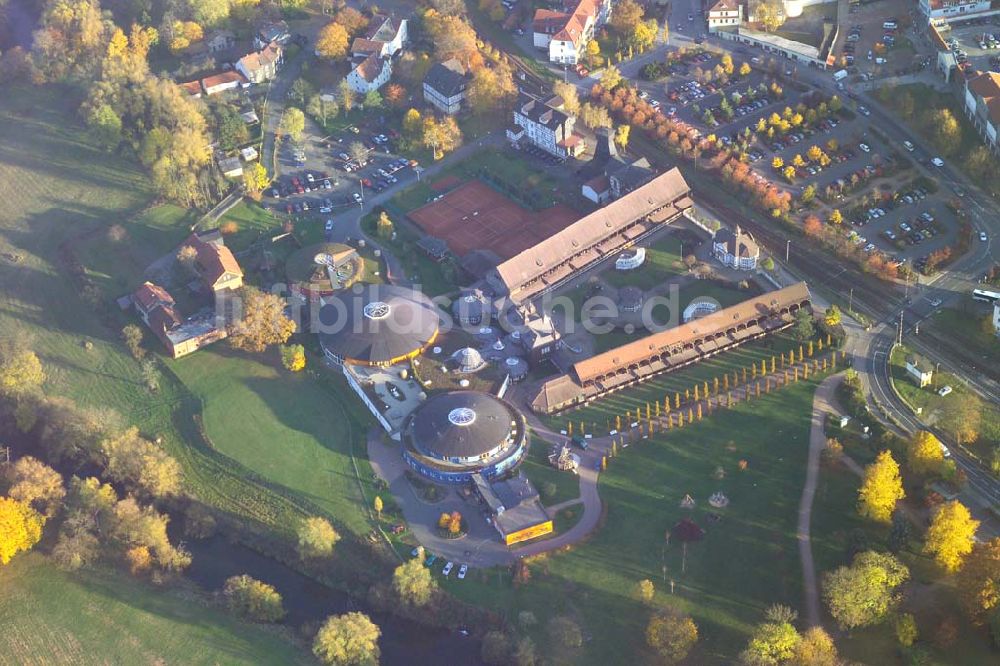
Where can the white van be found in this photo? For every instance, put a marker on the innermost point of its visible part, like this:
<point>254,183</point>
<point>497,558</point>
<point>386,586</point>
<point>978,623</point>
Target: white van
<point>840,75</point>
<point>908,146</point>
<point>889,25</point>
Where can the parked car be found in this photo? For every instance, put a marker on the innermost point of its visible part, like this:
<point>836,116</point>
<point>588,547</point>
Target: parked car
<point>462,570</point>
<point>982,236</point>
<point>447,568</point>
<point>944,390</point>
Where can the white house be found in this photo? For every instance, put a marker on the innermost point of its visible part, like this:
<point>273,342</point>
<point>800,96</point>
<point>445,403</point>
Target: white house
<point>370,74</point>
<point>982,106</point>
<point>565,34</point>
<point>735,249</point>
<point>921,371</point>
<point>219,83</point>
<point>444,86</point>
<point>724,13</point>
<point>544,126</point>
<point>261,66</point>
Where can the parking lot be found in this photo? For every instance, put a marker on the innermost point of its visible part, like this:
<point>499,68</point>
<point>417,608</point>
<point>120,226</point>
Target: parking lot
<point>323,175</point>
<point>975,43</point>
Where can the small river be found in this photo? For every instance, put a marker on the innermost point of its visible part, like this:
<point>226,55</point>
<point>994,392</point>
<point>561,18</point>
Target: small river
<point>403,642</point>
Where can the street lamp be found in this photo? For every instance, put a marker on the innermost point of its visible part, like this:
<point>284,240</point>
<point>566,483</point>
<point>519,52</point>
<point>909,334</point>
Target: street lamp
<point>788,247</point>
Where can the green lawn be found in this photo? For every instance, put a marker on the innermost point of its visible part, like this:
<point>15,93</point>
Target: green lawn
<point>537,468</point>
<point>747,560</point>
<point>664,260</point>
<point>291,429</point>
<point>597,415</point>
<point>92,617</point>
<point>252,222</point>
<point>428,274</point>
<point>965,327</point>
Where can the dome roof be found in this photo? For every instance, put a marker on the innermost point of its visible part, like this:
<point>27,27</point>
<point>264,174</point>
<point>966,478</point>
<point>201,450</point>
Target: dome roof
<point>630,295</point>
<point>461,424</point>
<point>468,359</point>
<point>377,323</point>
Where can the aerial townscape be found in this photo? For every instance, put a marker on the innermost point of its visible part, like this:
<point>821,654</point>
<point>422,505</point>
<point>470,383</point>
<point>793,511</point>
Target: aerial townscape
<point>518,332</point>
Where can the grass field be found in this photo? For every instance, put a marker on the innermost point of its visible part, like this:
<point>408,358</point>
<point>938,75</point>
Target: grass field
<point>91,617</point>
<point>597,414</point>
<point>965,327</point>
<point>664,260</point>
<point>747,560</point>
<point>537,468</point>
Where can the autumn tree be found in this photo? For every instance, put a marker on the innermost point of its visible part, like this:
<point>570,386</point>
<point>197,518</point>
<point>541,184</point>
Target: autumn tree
<point>945,131</point>
<point>962,417</point>
<point>262,321</point>
<point>395,95</point>
<point>255,179</point>
<point>864,593</point>
<point>622,135</point>
<point>442,136</point>
<point>924,453</point>
<point>491,90</point>
<point>453,37</point>
<point>671,635</point>
<point>352,20</point>
<point>132,336</point>
<point>317,537</point>
<point>770,15</point>
<point>978,581</point>
<point>611,78</point>
<point>252,599</point>
<point>20,528</point>
<point>836,217</point>
<point>293,123</point>
<point>832,316</point>
<point>816,649</point>
<point>951,535</point>
<point>141,465</point>
<point>34,483</point>
<point>72,432</point>
<point>21,371</point>
<point>347,640</point>
<point>594,116</point>
<point>569,95</point>
<point>645,590</point>
<point>564,633</point>
<point>881,488</point>
<point>293,357</point>
<point>412,583</point>
<point>332,41</point>
<point>627,15</point>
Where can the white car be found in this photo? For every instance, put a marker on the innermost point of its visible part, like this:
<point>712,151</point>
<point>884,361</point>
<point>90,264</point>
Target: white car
<point>865,148</point>
<point>447,568</point>
<point>944,390</point>
<point>908,146</point>
<point>864,111</point>
<point>462,570</point>
<point>937,161</point>
<point>329,225</point>
<point>982,236</point>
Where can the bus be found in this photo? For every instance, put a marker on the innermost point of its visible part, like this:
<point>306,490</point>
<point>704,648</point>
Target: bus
<point>985,296</point>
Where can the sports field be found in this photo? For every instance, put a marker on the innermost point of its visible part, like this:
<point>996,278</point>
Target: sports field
<point>474,216</point>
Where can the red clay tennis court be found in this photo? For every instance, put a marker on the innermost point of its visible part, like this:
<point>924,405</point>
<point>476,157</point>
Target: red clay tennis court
<point>474,216</point>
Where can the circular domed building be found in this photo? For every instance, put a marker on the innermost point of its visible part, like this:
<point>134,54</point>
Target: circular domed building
<point>468,360</point>
<point>471,309</point>
<point>456,434</point>
<point>376,325</point>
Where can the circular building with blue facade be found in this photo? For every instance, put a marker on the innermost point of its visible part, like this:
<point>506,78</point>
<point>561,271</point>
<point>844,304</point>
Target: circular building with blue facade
<point>456,434</point>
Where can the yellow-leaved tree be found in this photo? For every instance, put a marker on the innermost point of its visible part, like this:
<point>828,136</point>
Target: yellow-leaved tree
<point>924,454</point>
<point>978,582</point>
<point>880,489</point>
<point>951,535</point>
<point>20,528</point>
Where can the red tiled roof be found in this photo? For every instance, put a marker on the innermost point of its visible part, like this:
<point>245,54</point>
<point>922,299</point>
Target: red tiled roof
<point>222,79</point>
<point>574,23</point>
<point>191,87</point>
<point>362,45</point>
<point>987,87</point>
<point>149,295</point>
<point>263,58</point>
<point>725,6</point>
<point>214,259</point>
<point>370,67</point>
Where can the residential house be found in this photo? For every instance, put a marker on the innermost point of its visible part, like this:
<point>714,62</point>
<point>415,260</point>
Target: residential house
<point>268,33</point>
<point>261,66</point>
<point>370,74</point>
<point>565,34</point>
<point>386,36</point>
<point>444,86</point>
<point>157,309</point>
<point>230,167</point>
<point>735,249</point>
<point>220,41</point>
<point>543,125</point>
<point>219,83</point>
<point>982,106</point>
<point>612,176</point>
<point>215,263</point>
<point>724,14</point>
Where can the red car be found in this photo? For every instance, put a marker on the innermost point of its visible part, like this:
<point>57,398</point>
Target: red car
<point>288,208</point>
